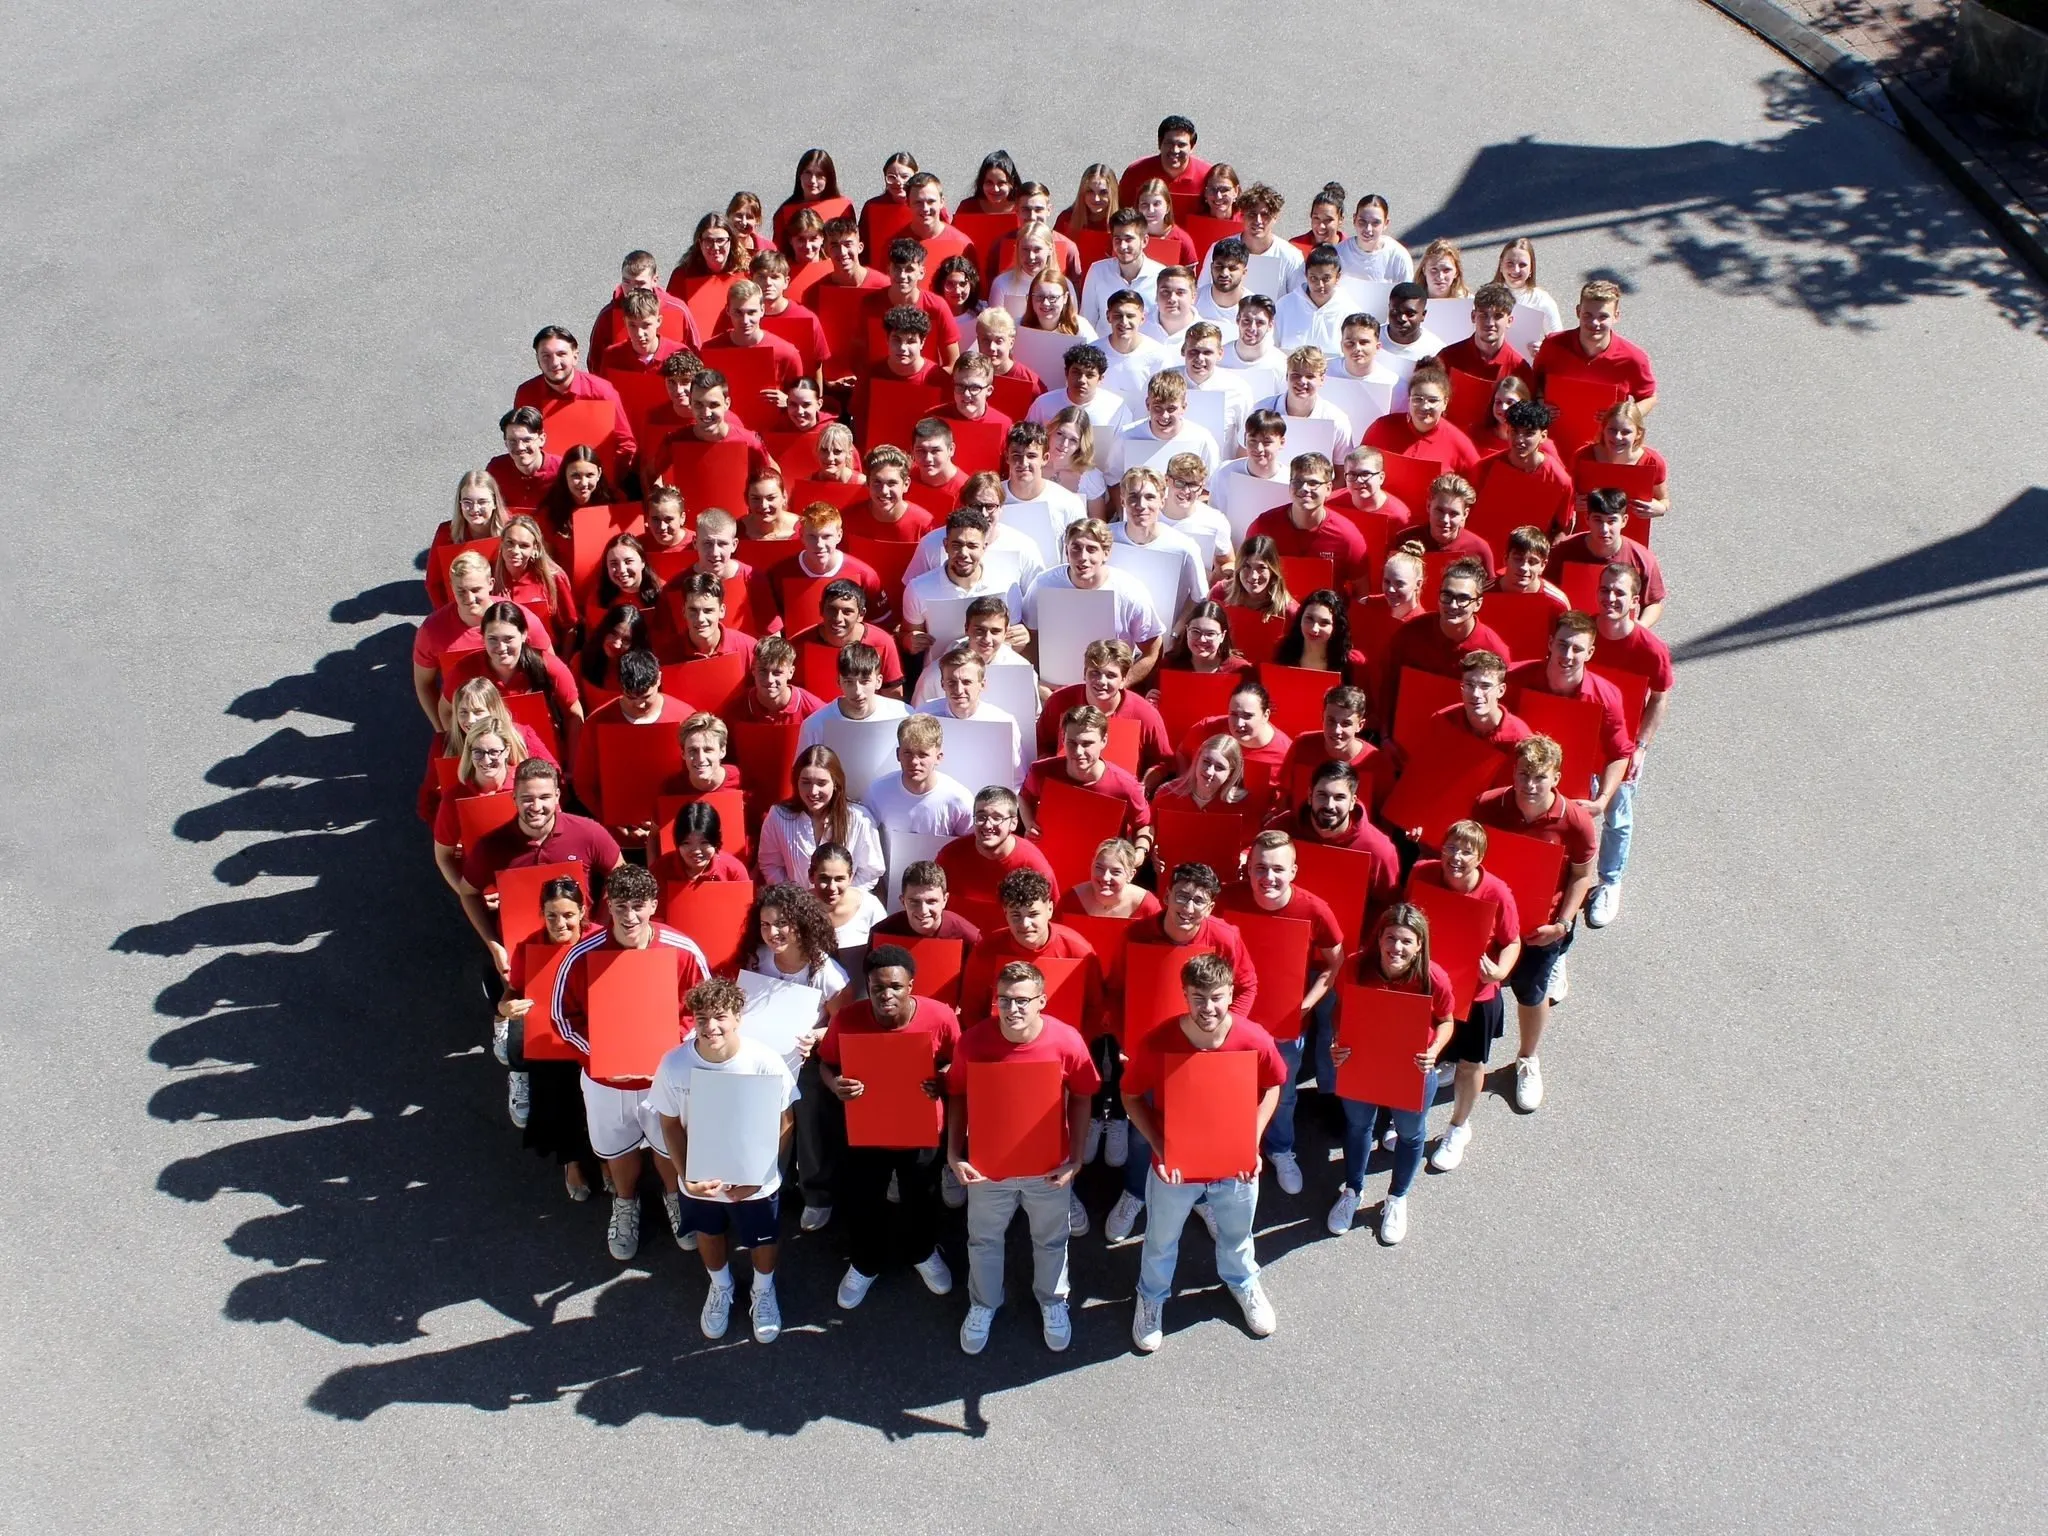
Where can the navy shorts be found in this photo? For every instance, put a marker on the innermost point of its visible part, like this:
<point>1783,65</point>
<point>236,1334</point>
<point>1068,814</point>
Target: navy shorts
<point>747,1223</point>
<point>1472,1037</point>
<point>1530,979</point>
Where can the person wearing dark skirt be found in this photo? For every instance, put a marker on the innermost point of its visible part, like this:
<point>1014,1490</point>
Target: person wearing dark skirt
<point>555,1123</point>
<point>1463,869</point>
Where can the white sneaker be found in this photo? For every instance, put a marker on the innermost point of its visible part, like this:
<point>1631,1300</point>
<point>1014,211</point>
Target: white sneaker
<point>623,1235</point>
<point>1077,1216</point>
<point>1116,1143</point>
<point>895,1194</point>
<point>519,1098</point>
<point>1057,1326</point>
<point>1258,1311</point>
<point>501,1040</point>
<point>854,1287</point>
<point>1560,981</point>
<point>951,1190</point>
<point>673,1204</point>
<point>1394,1219</point>
<point>1528,1084</point>
<point>935,1273</point>
<point>1605,906</point>
<point>1091,1143</point>
<point>815,1218</point>
<point>1389,1138</point>
<point>1450,1151</point>
<point>974,1329</point>
<point>1208,1215</point>
<point>1123,1216</point>
<point>767,1312</point>
<point>1148,1330</point>
<point>1345,1211</point>
<point>1286,1172</point>
<point>717,1314</point>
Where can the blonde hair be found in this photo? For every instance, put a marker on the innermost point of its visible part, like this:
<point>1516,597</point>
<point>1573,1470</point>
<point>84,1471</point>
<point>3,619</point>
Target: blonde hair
<point>551,578</point>
<point>478,693</point>
<point>1227,746</point>
<point>476,480</point>
<point>1084,435</point>
<point>1442,247</point>
<point>515,749</point>
<point>1122,850</point>
<point>1069,322</point>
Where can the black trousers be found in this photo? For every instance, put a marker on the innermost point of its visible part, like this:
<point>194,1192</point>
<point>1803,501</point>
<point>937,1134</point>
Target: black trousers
<point>880,1234</point>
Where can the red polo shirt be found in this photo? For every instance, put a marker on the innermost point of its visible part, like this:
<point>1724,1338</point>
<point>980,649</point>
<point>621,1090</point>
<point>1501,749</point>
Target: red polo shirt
<point>1623,364</point>
<point>1444,444</point>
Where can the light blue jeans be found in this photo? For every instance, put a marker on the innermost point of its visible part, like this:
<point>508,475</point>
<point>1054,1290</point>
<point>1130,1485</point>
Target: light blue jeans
<point>1313,1043</point>
<point>1167,1208</point>
<point>1411,1129</point>
<point>1617,830</point>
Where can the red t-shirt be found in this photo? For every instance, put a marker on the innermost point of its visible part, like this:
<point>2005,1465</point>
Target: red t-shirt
<point>859,572</point>
<point>1507,734</point>
<point>1303,905</point>
<point>1567,823</point>
<point>1215,934</point>
<point>1623,363</point>
<point>1444,444</point>
<point>1548,489</point>
<point>1148,1059</point>
<point>445,634</point>
<point>972,878</point>
<point>1360,837</point>
<point>1375,770</point>
<point>1507,921</point>
<point>951,926</point>
<point>1070,904</point>
<point>985,1044</point>
<point>1153,746</point>
<point>939,500</point>
<point>1534,677</point>
<point>1639,652</point>
<point>574,840</point>
<point>673,643</point>
<point>620,358</point>
<point>860,522</point>
<point>725,870</point>
<point>1578,549</point>
<point>1337,537</point>
<point>1466,545</point>
<point>583,385</point>
<point>930,1018</point>
<point>1187,184</point>
<point>998,949</point>
<point>945,330</point>
<point>609,328</point>
<point>789,363</point>
<point>1588,458</point>
<point>870,635</point>
<point>1115,784</point>
<point>1463,357</point>
<point>1262,765</point>
<point>1421,643</point>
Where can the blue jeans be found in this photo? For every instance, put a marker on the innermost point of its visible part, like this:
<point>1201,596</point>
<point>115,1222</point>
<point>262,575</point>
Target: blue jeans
<point>1617,830</point>
<point>1361,1130</point>
<point>1167,1208</point>
<point>1313,1043</point>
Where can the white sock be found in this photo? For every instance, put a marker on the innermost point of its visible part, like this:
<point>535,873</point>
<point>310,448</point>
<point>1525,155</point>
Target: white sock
<point>763,1282</point>
<point>721,1276</point>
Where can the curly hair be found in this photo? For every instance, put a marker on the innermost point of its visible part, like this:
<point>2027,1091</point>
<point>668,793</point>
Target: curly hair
<point>805,913</point>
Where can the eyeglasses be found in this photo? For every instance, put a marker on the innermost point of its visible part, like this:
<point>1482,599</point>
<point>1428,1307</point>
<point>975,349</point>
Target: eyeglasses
<point>487,755</point>
<point>477,503</point>
<point>994,819</point>
<point>1457,599</point>
<point>1013,1004</point>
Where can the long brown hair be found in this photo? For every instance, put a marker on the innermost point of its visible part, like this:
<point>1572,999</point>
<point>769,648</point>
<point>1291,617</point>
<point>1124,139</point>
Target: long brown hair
<point>1402,914</point>
<point>836,817</point>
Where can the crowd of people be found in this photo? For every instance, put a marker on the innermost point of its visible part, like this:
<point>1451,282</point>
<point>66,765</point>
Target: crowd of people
<point>1131,680</point>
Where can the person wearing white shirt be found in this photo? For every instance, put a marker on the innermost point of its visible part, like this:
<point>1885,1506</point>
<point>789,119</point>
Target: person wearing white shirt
<point>1132,358</point>
<point>1173,310</point>
<point>1142,527</point>
<point>1132,617</point>
<point>1037,251</point>
<point>1302,400</point>
<point>790,832</point>
<point>1405,340</point>
<point>1313,315</point>
<point>1011,552</point>
<point>919,798</point>
<point>1218,397</point>
<point>1126,266</point>
<point>860,696</point>
<point>1272,265</point>
<point>1360,377</point>
<point>1187,512</point>
<point>1372,255</point>
<point>1265,435</point>
<point>963,574</point>
<point>1085,363</point>
<point>958,685</point>
<point>1253,356</point>
<point>1165,431</point>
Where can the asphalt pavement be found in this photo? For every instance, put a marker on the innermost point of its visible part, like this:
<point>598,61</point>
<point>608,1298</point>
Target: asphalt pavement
<point>1772,1254</point>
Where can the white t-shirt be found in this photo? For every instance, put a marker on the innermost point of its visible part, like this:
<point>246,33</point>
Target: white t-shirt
<point>1391,263</point>
<point>1263,375</point>
<point>1129,372</point>
<point>1194,576</point>
<point>830,977</point>
<point>670,1094</point>
<point>945,810</point>
<point>1138,444</point>
<point>1104,278</point>
<point>1243,466</point>
<point>1106,411</point>
<point>1545,305</point>
<point>935,585</point>
<point>853,933</point>
<point>1235,400</point>
<point>1208,528</point>
<point>1132,621</point>
<point>1007,550</point>
<point>1012,290</point>
<point>1152,330</point>
<point>1347,436</point>
<point>1271,272</point>
<point>812,731</point>
<point>1298,323</point>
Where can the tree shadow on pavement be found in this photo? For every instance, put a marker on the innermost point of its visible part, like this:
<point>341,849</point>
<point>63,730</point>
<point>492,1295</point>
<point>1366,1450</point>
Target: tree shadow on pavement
<point>341,1020</point>
<point>1783,218</point>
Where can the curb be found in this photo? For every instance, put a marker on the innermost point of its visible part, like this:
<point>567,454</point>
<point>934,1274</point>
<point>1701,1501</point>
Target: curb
<point>1857,81</point>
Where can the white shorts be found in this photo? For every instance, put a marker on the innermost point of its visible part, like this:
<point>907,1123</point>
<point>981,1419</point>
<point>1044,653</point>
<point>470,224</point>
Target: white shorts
<point>619,1120</point>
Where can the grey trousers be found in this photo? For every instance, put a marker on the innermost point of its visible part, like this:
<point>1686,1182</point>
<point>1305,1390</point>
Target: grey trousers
<point>990,1208</point>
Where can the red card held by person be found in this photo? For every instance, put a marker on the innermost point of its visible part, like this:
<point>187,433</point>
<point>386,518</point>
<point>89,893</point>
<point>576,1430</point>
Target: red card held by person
<point>939,963</point>
<point>1446,771</point>
<point>887,558</point>
<point>895,406</point>
<point>892,1109</point>
<point>633,762</point>
<point>634,1017</point>
<point>1636,481</point>
<point>1307,573</point>
<point>477,816</point>
<point>590,530</point>
<point>1152,987</point>
<point>852,493</point>
<point>1384,1030</point>
<point>1471,400</point>
<point>748,372</point>
<point>709,474</point>
<point>1206,231</point>
<point>839,312</point>
<point>1460,928</point>
<point>1574,724</point>
<point>1066,990</point>
<point>589,424</point>
<point>1210,1103</point>
<point>519,916</point>
<point>1016,1118</point>
<point>800,595</point>
<point>1510,499</point>
<point>978,446</point>
<point>1257,635</point>
<point>1072,824</point>
<point>1341,876</point>
<point>534,1037</point>
<point>710,683</point>
<point>1580,580</point>
<point>1532,868</point>
<point>705,299</point>
<point>1185,697</point>
<point>1580,403</point>
<point>531,713</point>
<point>713,913</point>
<point>1633,686</point>
<point>817,670</point>
<point>1126,741</point>
<point>1297,694</point>
<point>1421,695</point>
<point>1523,620</point>
<point>1214,838</point>
<point>1279,950</point>
<point>731,805</point>
<point>1107,936</point>
<point>763,754</point>
<point>1409,479</point>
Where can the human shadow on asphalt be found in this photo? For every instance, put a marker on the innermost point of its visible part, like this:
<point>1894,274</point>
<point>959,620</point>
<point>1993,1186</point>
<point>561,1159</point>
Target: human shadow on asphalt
<point>1810,218</point>
<point>342,1020</point>
<point>2007,553</point>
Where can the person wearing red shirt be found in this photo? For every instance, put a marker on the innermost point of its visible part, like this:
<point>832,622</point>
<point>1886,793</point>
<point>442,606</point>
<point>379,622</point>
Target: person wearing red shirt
<point>936,482</point>
<point>454,630</point>
<point>995,338</point>
<point>749,601</point>
<point>661,424</point>
<point>1528,477</point>
<point>640,272</point>
<point>1111,889</point>
<point>924,914</point>
<point>1365,504</point>
<point>847,356</point>
<point>1627,646</point>
<point>822,529</point>
<point>1269,888</point>
<point>971,384</point>
<point>1249,722</point>
<point>1486,354</point>
<point>1443,531</point>
<point>691,623</point>
<point>1422,431</point>
<point>644,348</point>
<point>1478,714</point>
<point>1334,818</point>
<point>906,289</point>
<point>1399,961</point>
<point>1019,1032</point>
<point>1604,543</point>
<point>1029,933</point>
<point>878,1237</point>
<point>843,621</point>
<point>1462,869</point>
<point>889,516</point>
<point>640,703</point>
<point>1533,807</point>
<point>1346,711</point>
<point>744,332</point>
<point>1176,164</point>
<point>772,698</point>
<point>525,471</point>
<point>540,832</point>
<point>1621,442</point>
<point>616,1112</point>
<point>712,421</point>
<point>1085,730</point>
<point>1187,918</point>
<point>1563,674</point>
<point>1217,1019</point>
<point>1105,666</point>
<point>938,239</point>
<point>696,859</point>
<point>513,659</point>
<point>561,379</point>
<point>1595,351</point>
<point>782,316</point>
<point>1439,642</point>
<point>905,331</point>
<point>975,864</point>
<point>1305,526</point>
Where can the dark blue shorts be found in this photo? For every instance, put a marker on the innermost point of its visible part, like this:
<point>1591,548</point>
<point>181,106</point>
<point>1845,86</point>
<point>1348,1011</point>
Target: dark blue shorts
<point>1530,979</point>
<point>746,1223</point>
